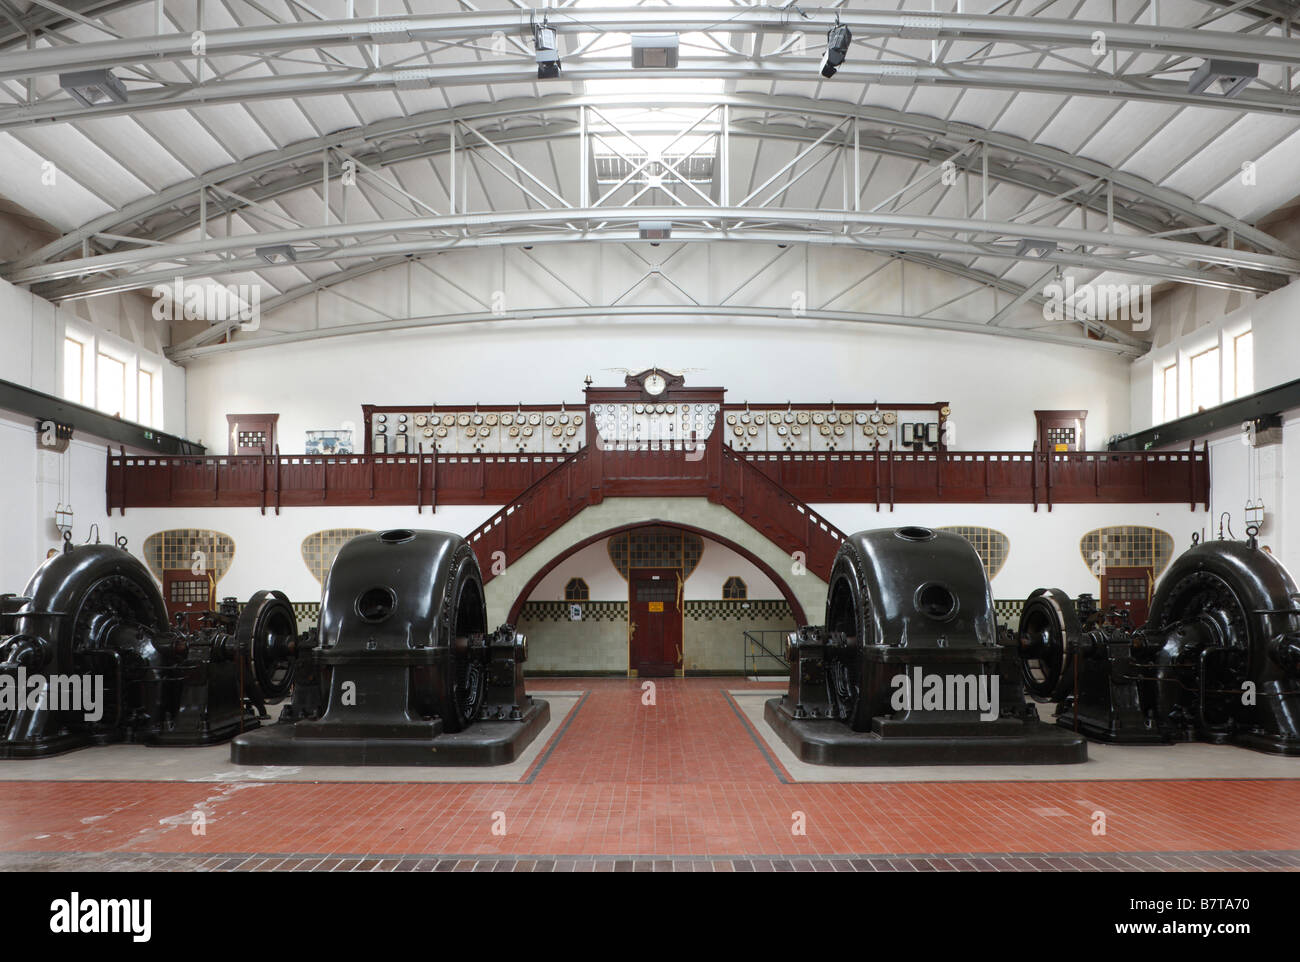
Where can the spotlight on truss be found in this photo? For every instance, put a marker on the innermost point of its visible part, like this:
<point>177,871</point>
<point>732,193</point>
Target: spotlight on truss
<point>838,38</point>
<point>655,229</point>
<point>654,50</point>
<point>1039,248</point>
<point>1233,76</point>
<point>277,253</point>
<point>91,87</point>
<point>547,44</point>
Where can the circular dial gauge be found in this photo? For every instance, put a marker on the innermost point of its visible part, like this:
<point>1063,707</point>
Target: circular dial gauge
<point>655,384</point>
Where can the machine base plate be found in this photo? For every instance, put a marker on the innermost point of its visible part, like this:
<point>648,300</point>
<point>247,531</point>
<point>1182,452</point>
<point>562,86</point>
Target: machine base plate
<point>482,743</point>
<point>826,742</point>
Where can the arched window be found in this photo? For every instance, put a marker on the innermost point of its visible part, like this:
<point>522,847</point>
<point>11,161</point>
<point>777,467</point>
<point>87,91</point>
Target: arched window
<point>733,589</point>
<point>576,590</point>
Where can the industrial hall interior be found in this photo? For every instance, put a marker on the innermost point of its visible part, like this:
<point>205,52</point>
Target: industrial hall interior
<point>641,436</point>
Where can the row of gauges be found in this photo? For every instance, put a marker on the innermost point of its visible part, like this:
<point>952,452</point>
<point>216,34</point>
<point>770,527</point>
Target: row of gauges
<point>652,408</point>
<point>825,430</point>
<point>814,417</point>
<point>484,432</point>
<point>658,419</point>
<point>829,430</point>
<point>476,424</point>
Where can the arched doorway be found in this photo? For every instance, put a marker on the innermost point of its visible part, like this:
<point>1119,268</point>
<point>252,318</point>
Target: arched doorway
<point>654,628</point>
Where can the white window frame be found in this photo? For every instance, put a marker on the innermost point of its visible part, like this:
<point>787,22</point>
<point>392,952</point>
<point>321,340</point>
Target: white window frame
<point>1191,356</point>
<point>85,345</point>
<point>1234,338</point>
<point>128,389</point>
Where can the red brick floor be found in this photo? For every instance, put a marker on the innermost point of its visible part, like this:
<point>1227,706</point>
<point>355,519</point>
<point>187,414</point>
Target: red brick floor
<point>685,777</point>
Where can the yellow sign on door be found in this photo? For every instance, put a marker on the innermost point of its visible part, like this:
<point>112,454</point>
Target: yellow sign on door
<point>657,606</point>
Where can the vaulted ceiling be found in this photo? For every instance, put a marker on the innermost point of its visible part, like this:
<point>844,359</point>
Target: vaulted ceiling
<point>300,145</point>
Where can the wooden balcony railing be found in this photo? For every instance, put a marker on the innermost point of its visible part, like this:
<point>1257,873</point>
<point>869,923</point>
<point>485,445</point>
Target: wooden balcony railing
<point>882,478</point>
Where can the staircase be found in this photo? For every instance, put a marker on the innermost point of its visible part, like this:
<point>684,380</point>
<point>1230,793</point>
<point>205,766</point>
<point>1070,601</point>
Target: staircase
<point>779,516</point>
<point>582,479</point>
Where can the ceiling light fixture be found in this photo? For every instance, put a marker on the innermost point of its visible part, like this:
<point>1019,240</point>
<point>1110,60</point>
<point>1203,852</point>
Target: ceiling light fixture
<point>547,44</point>
<point>1233,76</point>
<point>277,253</point>
<point>1039,248</point>
<point>91,87</point>
<point>838,39</point>
<point>654,50</point>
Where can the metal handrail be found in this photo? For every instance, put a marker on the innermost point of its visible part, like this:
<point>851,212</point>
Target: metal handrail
<point>754,640</point>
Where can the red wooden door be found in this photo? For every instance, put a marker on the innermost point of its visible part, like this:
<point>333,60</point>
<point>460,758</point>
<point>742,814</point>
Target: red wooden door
<point>1128,589</point>
<point>655,621</point>
<point>189,594</point>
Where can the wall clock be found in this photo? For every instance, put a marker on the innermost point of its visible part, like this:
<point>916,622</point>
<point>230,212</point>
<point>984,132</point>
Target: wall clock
<point>654,383</point>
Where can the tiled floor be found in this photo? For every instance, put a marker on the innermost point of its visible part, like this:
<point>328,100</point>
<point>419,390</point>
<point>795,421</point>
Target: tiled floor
<point>681,784</point>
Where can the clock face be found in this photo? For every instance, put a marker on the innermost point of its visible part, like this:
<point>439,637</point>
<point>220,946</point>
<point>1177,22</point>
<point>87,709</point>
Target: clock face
<point>655,384</point>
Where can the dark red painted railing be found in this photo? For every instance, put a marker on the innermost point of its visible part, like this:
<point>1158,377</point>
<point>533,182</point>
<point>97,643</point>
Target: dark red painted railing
<point>779,515</point>
<point>550,502</point>
<point>1073,477</point>
<point>881,478</point>
<point>296,480</point>
<point>538,510</point>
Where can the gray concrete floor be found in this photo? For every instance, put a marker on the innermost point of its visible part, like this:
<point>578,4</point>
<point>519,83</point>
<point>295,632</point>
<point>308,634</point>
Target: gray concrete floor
<point>211,763</point>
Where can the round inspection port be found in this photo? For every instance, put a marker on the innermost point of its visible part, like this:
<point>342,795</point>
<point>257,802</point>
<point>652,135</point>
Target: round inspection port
<point>376,604</point>
<point>935,601</point>
<point>397,536</point>
<point>914,532</point>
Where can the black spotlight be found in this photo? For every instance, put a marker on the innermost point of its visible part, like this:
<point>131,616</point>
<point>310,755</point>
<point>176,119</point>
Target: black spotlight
<point>547,46</point>
<point>838,39</point>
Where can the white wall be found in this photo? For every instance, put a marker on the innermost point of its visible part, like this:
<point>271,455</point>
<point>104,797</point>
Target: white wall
<point>993,383</point>
<point>32,332</point>
<point>717,564</point>
<point>1241,473</point>
<point>34,481</point>
<point>1186,323</point>
<point>1044,550</point>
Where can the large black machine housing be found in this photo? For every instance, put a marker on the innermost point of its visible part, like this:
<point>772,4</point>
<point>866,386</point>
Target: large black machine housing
<point>404,670</point>
<point>907,669</point>
<point>87,657</point>
<point>1217,661</point>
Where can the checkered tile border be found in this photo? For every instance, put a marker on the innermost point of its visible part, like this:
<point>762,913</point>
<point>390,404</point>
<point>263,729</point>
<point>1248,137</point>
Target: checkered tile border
<point>738,611</point>
<point>307,613</point>
<point>1008,611</point>
<point>559,610</point>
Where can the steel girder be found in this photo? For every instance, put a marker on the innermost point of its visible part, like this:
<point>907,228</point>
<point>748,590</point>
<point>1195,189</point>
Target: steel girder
<point>1031,32</point>
<point>982,279</point>
<point>36,20</point>
<point>189,216</point>
<point>1185,210</point>
<point>1062,83</point>
<point>652,311</point>
<point>713,219</point>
